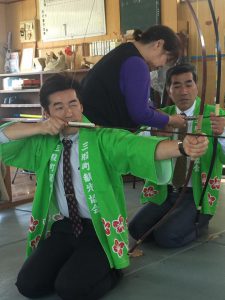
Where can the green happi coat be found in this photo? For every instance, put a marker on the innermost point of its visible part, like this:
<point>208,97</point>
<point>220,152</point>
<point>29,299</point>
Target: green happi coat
<point>104,155</point>
<point>158,194</point>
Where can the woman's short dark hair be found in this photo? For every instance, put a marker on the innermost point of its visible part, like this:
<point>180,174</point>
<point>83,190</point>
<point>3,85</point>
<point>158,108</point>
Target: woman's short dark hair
<point>180,69</point>
<point>55,83</point>
<point>161,32</point>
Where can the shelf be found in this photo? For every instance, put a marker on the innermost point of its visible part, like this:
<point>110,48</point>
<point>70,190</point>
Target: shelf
<point>20,105</point>
<point>42,73</point>
<point>20,74</point>
<point>19,91</point>
<point>20,120</point>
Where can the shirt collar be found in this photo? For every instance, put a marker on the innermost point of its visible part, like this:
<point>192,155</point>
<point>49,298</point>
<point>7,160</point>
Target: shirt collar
<point>72,137</point>
<point>189,112</point>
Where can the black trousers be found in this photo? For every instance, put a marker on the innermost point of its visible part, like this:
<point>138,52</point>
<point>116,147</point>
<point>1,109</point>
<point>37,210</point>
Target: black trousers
<point>74,268</point>
<point>178,230</point>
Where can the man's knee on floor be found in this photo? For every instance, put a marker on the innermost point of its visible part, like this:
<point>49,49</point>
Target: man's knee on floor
<point>137,229</point>
<point>30,288</point>
<point>70,289</point>
<point>132,230</point>
<point>167,239</point>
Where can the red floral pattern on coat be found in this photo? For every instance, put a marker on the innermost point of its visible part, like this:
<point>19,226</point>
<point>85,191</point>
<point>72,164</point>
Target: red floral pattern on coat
<point>35,242</point>
<point>215,183</point>
<point>149,191</point>
<point>118,247</point>
<point>119,224</point>
<point>211,199</point>
<point>106,226</point>
<point>33,224</point>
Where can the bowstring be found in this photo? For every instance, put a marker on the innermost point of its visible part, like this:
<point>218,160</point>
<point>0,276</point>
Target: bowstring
<point>85,35</point>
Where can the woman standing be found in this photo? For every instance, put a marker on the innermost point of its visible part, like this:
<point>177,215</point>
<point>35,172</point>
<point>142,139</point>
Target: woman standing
<point>116,89</point>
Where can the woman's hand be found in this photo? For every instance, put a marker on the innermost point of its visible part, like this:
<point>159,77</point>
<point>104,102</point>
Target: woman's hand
<point>177,121</point>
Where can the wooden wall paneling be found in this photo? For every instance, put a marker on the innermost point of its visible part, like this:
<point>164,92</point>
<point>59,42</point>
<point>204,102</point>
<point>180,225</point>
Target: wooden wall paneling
<point>183,25</point>
<point>220,12</point>
<point>169,13</point>
<point>194,48</point>
<point>219,7</point>
<point>178,18</point>
<point>222,94</point>
<point>112,8</point>
<point>16,12</point>
<point>2,24</point>
<point>27,10</point>
<point>3,36</point>
<point>13,17</point>
<point>203,13</point>
<point>211,79</point>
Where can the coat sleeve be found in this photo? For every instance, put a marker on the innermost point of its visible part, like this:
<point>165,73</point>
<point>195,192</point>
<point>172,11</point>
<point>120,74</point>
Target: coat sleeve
<point>20,154</point>
<point>129,153</point>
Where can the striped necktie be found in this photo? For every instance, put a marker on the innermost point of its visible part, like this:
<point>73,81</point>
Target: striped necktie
<point>69,189</point>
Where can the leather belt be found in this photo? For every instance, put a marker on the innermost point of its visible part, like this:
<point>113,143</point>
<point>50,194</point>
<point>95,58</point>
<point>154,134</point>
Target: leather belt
<point>173,189</point>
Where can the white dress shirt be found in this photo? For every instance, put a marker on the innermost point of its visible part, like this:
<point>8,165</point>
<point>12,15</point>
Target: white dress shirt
<point>76,178</point>
<point>190,112</point>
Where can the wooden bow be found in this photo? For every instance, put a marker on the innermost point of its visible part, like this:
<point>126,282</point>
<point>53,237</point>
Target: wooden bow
<point>199,124</point>
<point>218,83</point>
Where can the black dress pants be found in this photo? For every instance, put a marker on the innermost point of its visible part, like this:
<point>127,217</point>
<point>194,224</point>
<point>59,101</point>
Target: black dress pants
<point>178,230</point>
<point>74,268</point>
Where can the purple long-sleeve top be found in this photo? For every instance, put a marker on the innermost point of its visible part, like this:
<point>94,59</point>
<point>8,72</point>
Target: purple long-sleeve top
<point>135,86</point>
